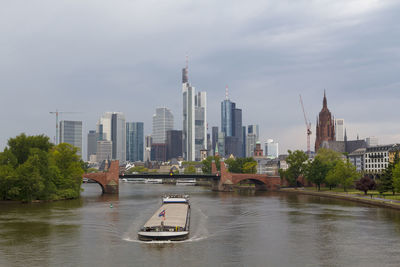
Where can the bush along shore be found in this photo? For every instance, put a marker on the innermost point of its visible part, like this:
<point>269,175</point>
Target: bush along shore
<point>32,169</point>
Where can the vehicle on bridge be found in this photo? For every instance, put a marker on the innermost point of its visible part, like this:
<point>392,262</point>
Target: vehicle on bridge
<point>170,222</point>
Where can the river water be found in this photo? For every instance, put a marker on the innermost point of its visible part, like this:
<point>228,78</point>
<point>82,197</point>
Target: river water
<point>227,229</point>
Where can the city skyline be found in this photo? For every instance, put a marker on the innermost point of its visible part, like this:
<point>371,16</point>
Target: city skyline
<point>352,52</point>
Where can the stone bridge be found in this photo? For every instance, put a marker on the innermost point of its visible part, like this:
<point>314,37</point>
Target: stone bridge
<point>228,180</point>
<point>108,180</point>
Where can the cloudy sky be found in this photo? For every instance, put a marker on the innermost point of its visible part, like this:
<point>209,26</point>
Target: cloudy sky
<point>125,55</point>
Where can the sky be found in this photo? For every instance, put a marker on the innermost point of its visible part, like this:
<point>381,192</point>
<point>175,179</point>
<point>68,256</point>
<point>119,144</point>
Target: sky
<point>93,56</point>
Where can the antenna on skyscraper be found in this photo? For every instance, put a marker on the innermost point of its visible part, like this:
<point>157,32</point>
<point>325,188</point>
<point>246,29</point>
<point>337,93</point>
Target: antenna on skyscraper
<point>226,92</point>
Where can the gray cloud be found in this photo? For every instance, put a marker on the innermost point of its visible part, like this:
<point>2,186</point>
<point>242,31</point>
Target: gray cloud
<point>97,56</point>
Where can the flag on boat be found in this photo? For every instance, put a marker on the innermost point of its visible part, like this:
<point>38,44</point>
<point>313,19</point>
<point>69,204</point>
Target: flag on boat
<point>162,214</point>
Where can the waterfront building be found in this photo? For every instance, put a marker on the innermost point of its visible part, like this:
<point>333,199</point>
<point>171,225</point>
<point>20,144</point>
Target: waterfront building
<point>231,126</point>
<point>357,158</point>
<point>134,141</point>
<point>112,127</point>
<point>92,138</point>
<point>376,159</point>
<point>104,150</point>
<point>163,121</point>
<point>71,133</point>
<point>194,133</point>
<point>339,127</point>
<point>393,151</point>
<point>271,149</point>
<point>346,146</point>
<point>174,144</point>
<point>325,129</point>
<point>372,141</point>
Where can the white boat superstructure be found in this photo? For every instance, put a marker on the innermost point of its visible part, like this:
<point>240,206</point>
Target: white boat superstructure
<point>186,182</point>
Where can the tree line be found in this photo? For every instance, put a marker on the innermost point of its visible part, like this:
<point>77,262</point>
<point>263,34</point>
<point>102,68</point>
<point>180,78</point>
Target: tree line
<point>333,169</point>
<point>32,168</point>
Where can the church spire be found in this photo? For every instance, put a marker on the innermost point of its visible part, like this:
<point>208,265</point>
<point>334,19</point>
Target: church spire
<point>324,102</point>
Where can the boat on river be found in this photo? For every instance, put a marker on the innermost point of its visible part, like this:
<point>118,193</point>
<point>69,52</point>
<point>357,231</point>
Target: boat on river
<point>170,222</point>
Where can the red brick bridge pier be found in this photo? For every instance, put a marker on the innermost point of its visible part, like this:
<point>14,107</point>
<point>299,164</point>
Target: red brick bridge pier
<point>228,180</point>
<point>108,180</point>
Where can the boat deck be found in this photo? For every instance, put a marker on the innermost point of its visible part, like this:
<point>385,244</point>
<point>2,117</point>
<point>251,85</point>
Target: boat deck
<point>175,216</point>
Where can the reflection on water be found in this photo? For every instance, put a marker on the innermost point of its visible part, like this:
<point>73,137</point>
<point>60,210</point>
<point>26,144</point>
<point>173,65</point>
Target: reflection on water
<point>227,229</point>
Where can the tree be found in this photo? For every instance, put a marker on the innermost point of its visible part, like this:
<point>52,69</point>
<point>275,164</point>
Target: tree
<point>20,146</point>
<point>237,165</point>
<point>250,167</point>
<point>365,184</point>
<point>386,182</point>
<point>296,161</point>
<point>343,173</point>
<point>396,177</point>
<point>189,170</point>
<point>206,168</point>
<point>316,172</point>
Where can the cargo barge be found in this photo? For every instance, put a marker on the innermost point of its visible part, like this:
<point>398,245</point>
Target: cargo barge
<point>170,222</point>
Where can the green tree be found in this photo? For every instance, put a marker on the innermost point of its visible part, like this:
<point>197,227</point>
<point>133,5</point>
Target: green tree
<point>250,167</point>
<point>316,172</point>
<point>68,162</point>
<point>296,161</point>
<point>20,146</point>
<point>189,170</point>
<point>344,173</point>
<point>31,168</point>
<point>386,181</point>
<point>237,165</point>
<point>396,177</point>
<point>328,157</point>
<point>206,168</point>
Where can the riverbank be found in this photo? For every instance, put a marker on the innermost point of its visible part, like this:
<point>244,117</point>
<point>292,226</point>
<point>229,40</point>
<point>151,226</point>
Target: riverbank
<point>364,199</point>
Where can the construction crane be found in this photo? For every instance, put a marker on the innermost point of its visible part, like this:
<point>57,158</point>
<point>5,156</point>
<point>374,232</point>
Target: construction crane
<point>308,126</point>
<point>57,113</point>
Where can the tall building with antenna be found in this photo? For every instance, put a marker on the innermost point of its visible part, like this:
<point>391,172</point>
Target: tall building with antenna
<point>231,126</point>
<point>194,131</point>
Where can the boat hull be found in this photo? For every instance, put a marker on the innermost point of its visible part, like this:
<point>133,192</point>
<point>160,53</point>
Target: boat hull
<point>163,236</point>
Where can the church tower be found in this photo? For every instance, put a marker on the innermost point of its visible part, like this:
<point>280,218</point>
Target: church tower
<point>325,126</point>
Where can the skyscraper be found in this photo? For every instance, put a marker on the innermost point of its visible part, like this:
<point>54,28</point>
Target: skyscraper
<point>200,123</point>
<point>231,126</point>
<point>214,137</point>
<point>254,129</point>
<point>174,144</point>
<point>271,149</point>
<point>147,149</point>
<point>134,141</point>
<point>325,129</point>
<point>112,127</point>
<point>92,138</point>
<point>194,133</point>
<point>163,121</point>
<point>339,127</point>
<point>71,133</point>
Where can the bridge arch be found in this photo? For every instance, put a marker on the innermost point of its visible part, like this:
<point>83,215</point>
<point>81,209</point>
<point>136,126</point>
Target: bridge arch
<point>108,180</point>
<point>97,182</point>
